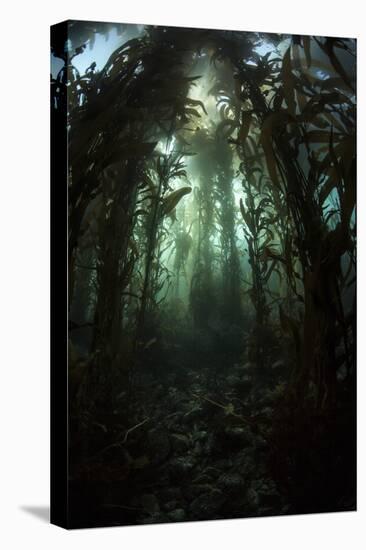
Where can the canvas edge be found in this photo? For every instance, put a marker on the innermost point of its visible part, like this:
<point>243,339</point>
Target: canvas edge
<point>59,317</point>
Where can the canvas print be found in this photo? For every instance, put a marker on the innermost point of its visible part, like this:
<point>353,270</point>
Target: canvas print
<point>210,178</point>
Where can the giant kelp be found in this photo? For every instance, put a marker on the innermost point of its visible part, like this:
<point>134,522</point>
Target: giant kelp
<point>212,246</point>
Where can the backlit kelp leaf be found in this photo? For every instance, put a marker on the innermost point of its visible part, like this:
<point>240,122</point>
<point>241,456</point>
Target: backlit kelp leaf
<point>320,122</point>
<point>348,200</point>
<point>237,85</point>
<point>333,83</point>
<point>306,46</point>
<point>288,82</point>
<point>246,118</point>
<point>141,211</point>
<point>277,102</point>
<point>328,48</point>
<point>195,103</point>
<point>318,103</point>
<point>224,109</point>
<point>329,185</point>
<point>272,122</point>
<point>319,65</point>
<point>268,252</point>
<point>226,127</point>
<point>146,181</point>
<point>192,112</point>
<point>346,151</point>
<point>318,136</point>
<point>271,161</point>
<point>171,201</point>
<point>340,165</point>
<point>246,217</point>
<point>302,100</point>
<point>266,201</point>
<point>296,58</point>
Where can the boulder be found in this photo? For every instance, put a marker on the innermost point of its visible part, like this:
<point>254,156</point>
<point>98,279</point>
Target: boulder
<point>177,515</point>
<point>180,467</point>
<point>231,483</point>
<point>170,494</point>
<point>180,443</point>
<point>241,435</point>
<point>158,445</point>
<point>150,504</point>
<point>207,505</point>
<point>171,505</point>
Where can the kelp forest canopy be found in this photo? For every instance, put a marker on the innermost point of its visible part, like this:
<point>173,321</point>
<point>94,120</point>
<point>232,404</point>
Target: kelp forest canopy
<point>212,270</point>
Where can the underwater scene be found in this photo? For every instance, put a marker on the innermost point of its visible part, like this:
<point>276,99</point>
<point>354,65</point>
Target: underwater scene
<point>211,272</point>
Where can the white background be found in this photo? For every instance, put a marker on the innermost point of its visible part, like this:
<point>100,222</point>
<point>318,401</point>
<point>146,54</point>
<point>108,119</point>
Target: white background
<point>24,273</point>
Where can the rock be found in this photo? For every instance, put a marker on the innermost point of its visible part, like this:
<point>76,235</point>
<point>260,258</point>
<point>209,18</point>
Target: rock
<point>196,413</point>
<point>172,505</point>
<point>267,411</point>
<point>207,506</point>
<point>229,439</point>
<point>200,435</point>
<point>193,491</point>
<point>122,396</point>
<point>204,479</point>
<point>175,395</point>
<point>267,400</point>
<point>232,380</point>
<point>180,467</point>
<point>231,483</point>
<point>180,443</point>
<point>224,464</point>
<point>260,444</point>
<point>268,495</point>
<point>249,367</point>
<point>215,445</point>
<point>238,368</point>
<point>198,449</point>
<point>271,499</point>
<point>342,373</point>
<point>239,434</point>
<point>170,494</point>
<point>158,446</point>
<point>279,365</point>
<point>174,421</point>
<point>244,463</point>
<point>187,406</point>
<point>209,444</point>
<point>212,472</point>
<point>245,384</point>
<point>160,391</point>
<point>177,515</point>
<point>158,517</point>
<point>252,498</point>
<point>150,504</point>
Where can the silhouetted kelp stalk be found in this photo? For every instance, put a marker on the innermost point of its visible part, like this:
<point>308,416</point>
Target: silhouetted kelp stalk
<point>231,307</point>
